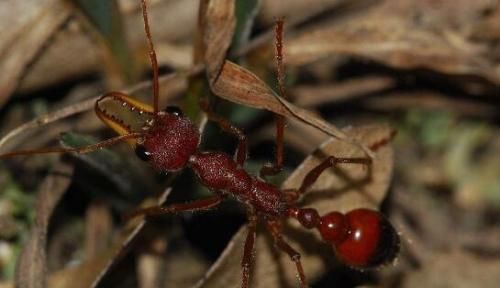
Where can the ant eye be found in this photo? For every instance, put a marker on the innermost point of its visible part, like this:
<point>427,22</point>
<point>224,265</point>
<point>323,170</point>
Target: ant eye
<point>142,153</point>
<point>174,110</point>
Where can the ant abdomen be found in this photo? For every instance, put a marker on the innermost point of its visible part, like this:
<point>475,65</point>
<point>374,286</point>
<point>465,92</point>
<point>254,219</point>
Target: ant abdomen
<point>361,238</point>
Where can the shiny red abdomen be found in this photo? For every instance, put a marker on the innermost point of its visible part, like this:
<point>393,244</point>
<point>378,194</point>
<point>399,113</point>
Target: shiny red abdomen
<point>371,240</point>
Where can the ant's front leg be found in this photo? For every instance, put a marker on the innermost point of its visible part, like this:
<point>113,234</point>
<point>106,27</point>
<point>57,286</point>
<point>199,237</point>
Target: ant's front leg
<point>241,152</point>
<point>194,206</point>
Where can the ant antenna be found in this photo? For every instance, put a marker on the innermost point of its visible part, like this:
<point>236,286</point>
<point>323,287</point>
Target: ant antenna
<point>272,169</point>
<point>279,56</point>
<point>280,120</point>
<point>84,149</point>
<point>152,58</point>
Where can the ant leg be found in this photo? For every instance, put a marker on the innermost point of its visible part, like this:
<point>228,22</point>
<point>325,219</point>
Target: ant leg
<point>331,161</point>
<point>241,152</point>
<point>277,166</point>
<point>196,205</point>
<point>248,252</point>
<point>274,228</point>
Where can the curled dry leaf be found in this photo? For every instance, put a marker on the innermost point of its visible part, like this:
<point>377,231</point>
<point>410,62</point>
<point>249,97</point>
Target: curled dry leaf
<point>217,24</point>
<point>235,83</point>
<point>345,188</point>
<point>389,34</point>
<point>25,36</point>
<point>31,269</point>
<point>241,86</point>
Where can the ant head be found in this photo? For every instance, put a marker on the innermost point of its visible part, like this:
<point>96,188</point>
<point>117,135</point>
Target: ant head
<point>170,139</point>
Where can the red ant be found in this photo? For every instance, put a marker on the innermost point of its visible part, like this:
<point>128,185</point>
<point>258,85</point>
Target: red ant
<point>169,142</point>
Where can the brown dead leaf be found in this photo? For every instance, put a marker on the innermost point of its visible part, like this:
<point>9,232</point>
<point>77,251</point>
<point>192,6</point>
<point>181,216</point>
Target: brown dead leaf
<point>462,270</point>
<point>430,100</point>
<point>294,8</point>
<point>121,246</point>
<point>99,226</point>
<point>72,52</point>
<point>390,35</point>
<point>25,36</point>
<point>235,83</point>
<point>217,24</point>
<point>331,192</point>
<point>31,267</point>
<point>371,183</point>
<point>241,86</point>
<point>315,95</point>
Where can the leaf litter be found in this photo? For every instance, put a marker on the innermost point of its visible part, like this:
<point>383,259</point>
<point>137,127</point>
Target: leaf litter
<point>448,50</point>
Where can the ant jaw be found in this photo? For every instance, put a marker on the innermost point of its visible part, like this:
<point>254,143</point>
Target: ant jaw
<point>114,122</point>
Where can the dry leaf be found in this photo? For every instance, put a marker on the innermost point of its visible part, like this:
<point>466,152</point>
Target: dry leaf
<point>31,267</point>
<point>99,226</point>
<point>390,35</point>
<point>294,8</point>
<point>241,86</point>
<point>372,187</point>
<point>30,24</point>
<point>331,192</point>
<point>462,270</point>
<point>235,83</point>
<point>172,22</point>
<point>315,95</point>
<point>121,246</point>
<point>217,24</point>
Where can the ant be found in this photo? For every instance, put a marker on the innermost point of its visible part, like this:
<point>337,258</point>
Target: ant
<point>169,141</point>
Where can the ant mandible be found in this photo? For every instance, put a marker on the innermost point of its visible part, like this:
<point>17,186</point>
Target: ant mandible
<point>361,238</point>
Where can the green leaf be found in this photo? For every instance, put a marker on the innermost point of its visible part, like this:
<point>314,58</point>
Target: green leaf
<point>106,17</point>
<point>119,177</point>
<point>246,10</point>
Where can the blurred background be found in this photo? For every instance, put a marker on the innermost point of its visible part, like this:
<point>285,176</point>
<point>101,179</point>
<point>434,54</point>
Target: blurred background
<point>430,69</point>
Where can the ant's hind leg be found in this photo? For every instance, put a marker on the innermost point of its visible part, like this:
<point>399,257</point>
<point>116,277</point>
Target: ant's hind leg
<point>241,153</point>
<point>248,252</point>
<point>331,161</point>
<point>274,228</point>
<point>194,206</point>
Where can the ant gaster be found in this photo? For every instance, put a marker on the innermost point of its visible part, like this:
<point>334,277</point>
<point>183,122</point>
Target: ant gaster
<point>361,238</point>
